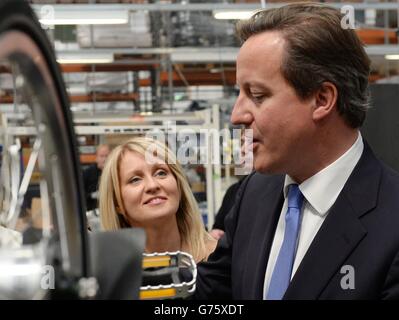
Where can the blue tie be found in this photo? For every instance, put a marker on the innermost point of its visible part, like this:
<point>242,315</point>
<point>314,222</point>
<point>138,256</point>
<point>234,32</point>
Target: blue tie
<point>281,276</point>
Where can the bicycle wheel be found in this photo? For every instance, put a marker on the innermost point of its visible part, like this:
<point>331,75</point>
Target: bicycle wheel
<point>39,95</point>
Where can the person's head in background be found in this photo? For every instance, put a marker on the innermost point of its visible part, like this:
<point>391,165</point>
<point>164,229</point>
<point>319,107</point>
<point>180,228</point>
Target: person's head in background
<point>303,82</point>
<point>153,195</point>
<point>102,153</point>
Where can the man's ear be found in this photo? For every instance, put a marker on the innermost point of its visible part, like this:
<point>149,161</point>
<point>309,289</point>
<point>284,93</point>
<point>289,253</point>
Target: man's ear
<point>325,101</point>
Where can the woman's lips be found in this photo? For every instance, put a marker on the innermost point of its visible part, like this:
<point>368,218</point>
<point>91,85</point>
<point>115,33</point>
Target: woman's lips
<point>155,201</point>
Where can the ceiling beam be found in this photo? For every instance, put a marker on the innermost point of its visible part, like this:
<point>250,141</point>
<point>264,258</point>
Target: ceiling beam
<point>81,8</point>
<point>99,97</point>
<point>108,67</point>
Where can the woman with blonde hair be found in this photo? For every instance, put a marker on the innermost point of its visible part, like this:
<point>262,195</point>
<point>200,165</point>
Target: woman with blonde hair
<point>143,185</point>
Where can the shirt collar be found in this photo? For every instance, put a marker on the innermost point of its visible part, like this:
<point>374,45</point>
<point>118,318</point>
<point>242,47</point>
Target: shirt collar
<point>322,189</point>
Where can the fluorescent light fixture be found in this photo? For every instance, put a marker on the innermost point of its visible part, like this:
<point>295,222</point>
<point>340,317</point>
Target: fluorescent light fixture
<point>85,58</point>
<point>233,15</point>
<point>75,18</point>
<point>392,56</point>
<point>215,70</point>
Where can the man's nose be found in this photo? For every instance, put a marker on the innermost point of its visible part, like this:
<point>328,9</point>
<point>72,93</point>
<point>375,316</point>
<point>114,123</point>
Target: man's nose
<point>240,114</point>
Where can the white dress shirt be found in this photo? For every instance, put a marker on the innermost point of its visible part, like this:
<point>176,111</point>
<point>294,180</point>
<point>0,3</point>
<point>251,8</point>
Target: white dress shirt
<point>320,192</point>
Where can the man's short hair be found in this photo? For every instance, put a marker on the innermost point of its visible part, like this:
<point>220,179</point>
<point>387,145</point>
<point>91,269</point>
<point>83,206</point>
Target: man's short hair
<point>318,49</point>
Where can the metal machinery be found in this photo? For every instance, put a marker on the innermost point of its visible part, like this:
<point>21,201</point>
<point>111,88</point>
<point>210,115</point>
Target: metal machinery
<point>46,251</point>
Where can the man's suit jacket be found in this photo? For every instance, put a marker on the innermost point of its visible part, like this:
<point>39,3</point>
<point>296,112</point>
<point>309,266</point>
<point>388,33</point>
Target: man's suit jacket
<point>360,231</point>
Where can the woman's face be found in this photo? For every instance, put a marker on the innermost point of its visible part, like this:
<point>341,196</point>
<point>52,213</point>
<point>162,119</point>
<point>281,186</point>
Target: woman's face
<point>149,190</point>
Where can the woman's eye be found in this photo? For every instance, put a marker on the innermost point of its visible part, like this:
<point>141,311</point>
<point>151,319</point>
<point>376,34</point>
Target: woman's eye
<point>134,180</point>
<point>161,173</point>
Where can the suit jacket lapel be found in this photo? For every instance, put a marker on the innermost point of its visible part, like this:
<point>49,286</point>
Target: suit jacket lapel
<point>267,214</point>
<point>340,232</point>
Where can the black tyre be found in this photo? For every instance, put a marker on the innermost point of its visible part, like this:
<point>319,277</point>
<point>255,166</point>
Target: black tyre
<point>24,46</point>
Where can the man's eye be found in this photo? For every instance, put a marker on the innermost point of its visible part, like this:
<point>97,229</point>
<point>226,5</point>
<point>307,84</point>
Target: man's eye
<point>258,98</point>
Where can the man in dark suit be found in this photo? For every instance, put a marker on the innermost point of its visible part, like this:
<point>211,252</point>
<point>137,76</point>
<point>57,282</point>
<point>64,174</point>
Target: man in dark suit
<point>92,174</point>
<point>228,201</point>
<point>319,219</point>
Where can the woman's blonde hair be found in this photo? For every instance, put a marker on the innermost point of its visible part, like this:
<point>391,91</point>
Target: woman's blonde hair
<point>189,222</point>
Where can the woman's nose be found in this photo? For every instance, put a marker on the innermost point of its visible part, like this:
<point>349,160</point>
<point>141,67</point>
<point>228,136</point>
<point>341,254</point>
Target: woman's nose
<point>151,184</point>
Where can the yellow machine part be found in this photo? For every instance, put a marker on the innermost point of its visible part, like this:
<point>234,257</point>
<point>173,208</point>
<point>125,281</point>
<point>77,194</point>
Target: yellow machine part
<point>157,261</point>
<point>157,294</point>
